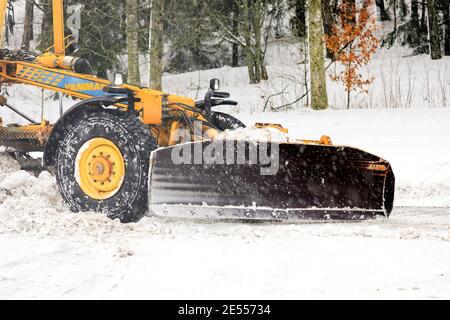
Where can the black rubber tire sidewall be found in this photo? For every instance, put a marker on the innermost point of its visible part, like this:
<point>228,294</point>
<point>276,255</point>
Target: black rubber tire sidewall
<point>126,131</point>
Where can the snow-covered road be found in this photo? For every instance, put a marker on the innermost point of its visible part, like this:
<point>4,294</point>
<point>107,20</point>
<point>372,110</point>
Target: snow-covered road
<point>405,257</point>
<point>48,252</point>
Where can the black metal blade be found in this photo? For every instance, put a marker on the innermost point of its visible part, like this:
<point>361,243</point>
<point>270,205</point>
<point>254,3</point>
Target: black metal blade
<point>313,182</point>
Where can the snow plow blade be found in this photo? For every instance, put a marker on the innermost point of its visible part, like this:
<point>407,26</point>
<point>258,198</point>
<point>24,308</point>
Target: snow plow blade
<point>313,182</point>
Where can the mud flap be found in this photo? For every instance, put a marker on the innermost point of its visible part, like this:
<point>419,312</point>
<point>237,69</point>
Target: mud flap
<point>245,180</point>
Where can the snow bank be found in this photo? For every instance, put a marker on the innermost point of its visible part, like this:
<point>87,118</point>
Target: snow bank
<point>32,205</point>
<point>7,164</point>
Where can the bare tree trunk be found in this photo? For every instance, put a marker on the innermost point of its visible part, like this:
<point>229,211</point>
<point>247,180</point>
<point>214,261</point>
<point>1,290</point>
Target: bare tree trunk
<point>328,23</point>
<point>423,20</point>
<point>300,17</point>
<point>249,57</point>
<point>157,45</point>
<point>249,61</point>
<point>235,46</point>
<point>257,31</point>
<point>349,92</point>
<point>394,8</point>
<point>264,73</point>
<point>415,25</point>
<point>46,35</point>
<point>335,7</point>
<point>403,10</point>
<point>150,35</point>
<point>435,45</point>
<point>446,10</point>
<point>28,30</point>
<point>384,15</point>
<point>319,97</point>
<point>134,76</point>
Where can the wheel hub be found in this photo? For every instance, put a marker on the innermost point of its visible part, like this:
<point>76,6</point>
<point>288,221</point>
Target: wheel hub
<point>101,168</point>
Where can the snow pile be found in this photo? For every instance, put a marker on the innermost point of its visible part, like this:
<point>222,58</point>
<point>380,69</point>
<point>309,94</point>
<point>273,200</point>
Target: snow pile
<point>20,191</point>
<point>255,134</point>
<point>33,205</point>
<point>7,164</point>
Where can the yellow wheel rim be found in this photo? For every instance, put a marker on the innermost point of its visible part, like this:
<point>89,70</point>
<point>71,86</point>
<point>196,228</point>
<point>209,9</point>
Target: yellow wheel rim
<point>100,169</point>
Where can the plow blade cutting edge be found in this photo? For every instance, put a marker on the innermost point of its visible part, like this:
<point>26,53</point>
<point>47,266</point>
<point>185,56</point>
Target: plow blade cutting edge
<point>303,182</point>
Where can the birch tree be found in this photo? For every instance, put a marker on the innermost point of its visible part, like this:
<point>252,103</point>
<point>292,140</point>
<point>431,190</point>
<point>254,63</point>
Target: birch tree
<point>446,16</point>
<point>319,97</point>
<point>134,76</point>
<point>435,45</point>
<point>415,25</point>
<point>156,44</point>
<point>249,58</point>
<point>45,38</point>
<point>28,29</point>
<point>384,15</point>
<point>298,21</point>
<point>328,22</point>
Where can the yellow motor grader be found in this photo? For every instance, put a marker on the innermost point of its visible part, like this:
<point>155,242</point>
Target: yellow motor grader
<point>123,150</point>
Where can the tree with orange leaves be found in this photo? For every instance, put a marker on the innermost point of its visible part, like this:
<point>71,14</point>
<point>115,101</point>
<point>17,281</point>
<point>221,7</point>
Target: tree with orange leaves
<point>353,43</point>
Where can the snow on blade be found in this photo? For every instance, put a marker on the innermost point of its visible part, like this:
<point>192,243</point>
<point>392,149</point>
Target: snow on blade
<point>255,134</point>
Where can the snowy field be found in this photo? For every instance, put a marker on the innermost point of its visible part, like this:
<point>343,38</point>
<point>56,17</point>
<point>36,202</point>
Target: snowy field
<point>47,252</point>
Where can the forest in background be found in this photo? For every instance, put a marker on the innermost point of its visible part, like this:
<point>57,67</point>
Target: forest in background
<point>186,35</point>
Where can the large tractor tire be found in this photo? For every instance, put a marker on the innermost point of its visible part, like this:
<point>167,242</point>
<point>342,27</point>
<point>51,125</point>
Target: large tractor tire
<point>224,121</point>
<point>103,164</point>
